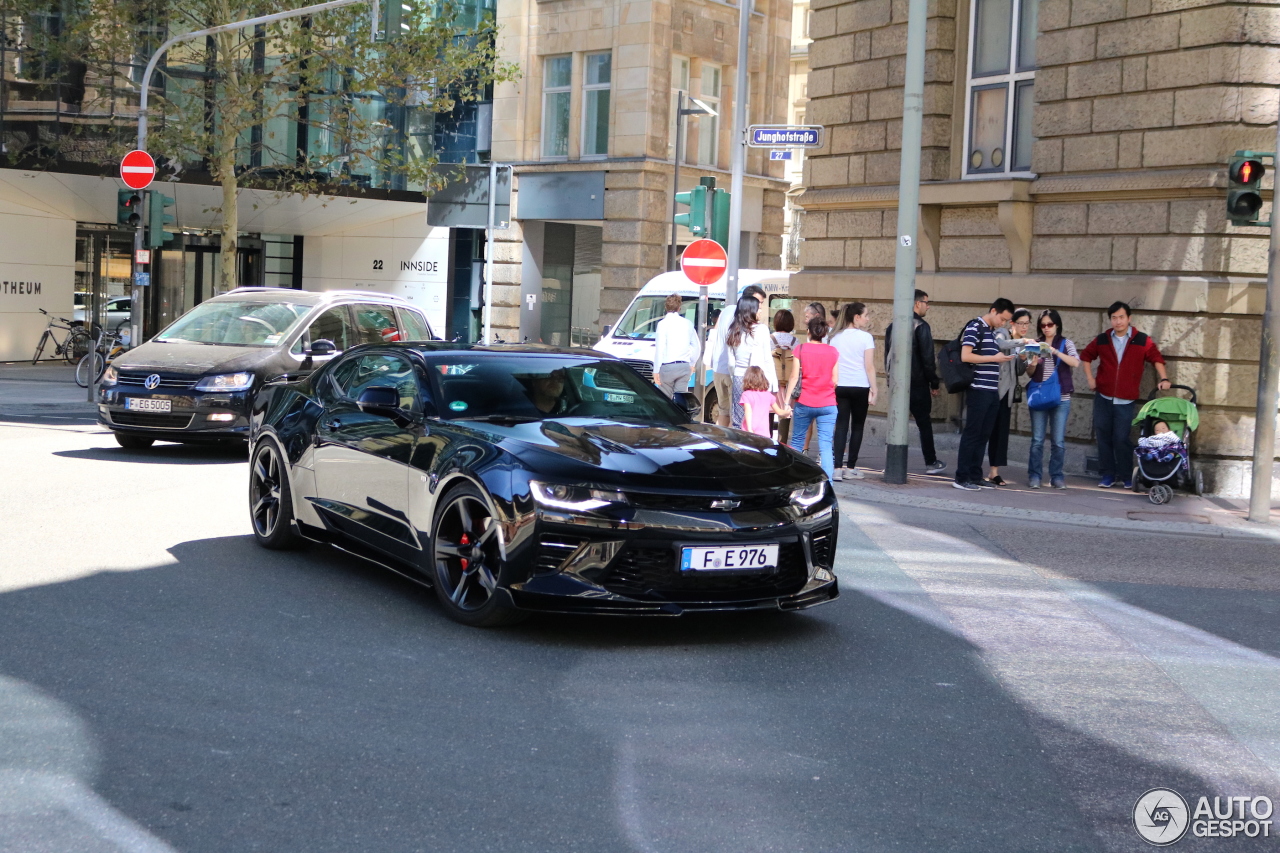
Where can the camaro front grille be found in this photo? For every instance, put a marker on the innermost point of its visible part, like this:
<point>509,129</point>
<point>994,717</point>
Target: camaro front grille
<point>139,378</point>
<point>652,572</point>
<point>820,547</point>
<point>703,503</point>
<point>552,552</point>
<point>153,420</point>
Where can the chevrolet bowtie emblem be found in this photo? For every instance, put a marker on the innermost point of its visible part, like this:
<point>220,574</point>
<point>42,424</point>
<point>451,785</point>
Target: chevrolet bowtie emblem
<point>725,504</point>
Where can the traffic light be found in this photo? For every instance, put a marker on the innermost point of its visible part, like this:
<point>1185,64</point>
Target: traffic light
<point>128,208</point>
<point>157,219</point>
<point>720,218</point>
<point>1244,188</point>
<point>696,219</point>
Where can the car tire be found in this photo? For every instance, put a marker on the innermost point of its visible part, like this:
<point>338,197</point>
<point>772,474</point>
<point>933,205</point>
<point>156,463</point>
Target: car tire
<point>466,561</point>
<point>134,442</point>
<point>711,407</point>
<point>271,499</point>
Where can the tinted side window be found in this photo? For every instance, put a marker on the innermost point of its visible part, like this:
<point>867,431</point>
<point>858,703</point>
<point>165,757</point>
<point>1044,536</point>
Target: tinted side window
<point>383,369</point>
<point>414,325</point>
<point>332,325</point>
<point>340,377</point>
<point>377,324</point>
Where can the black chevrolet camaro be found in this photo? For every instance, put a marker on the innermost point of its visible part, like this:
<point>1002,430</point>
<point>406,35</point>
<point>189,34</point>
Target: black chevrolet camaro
<point>520,478</point>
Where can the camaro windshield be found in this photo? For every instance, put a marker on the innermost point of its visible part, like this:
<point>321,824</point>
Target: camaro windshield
<point>534,388</point>
<point>245,324</point>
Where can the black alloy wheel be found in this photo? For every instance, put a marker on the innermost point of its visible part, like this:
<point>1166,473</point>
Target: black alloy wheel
<point>134,442</point>
<point>467,556</point>
<point>270,499</point>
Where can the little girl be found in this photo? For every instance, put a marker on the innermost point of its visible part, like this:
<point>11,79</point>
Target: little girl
<point>757,402</point>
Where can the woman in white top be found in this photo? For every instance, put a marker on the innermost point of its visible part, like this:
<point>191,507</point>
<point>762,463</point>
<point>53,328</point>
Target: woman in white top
<point>747,341</point>
<point>856,387</point>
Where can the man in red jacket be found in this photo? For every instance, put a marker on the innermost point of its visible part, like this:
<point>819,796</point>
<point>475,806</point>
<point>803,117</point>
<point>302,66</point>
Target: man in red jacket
<point>1122,355</point>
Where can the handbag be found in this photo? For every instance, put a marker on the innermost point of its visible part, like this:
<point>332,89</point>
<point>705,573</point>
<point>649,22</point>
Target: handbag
<point>1044,395</point>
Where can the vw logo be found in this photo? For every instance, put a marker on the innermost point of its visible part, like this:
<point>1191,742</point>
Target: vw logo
<point>152,382</point>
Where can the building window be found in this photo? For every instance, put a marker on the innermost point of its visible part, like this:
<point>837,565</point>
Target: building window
<point>679,83</point>
<point>595,107</point>
<point>709,126</point>
<point>1001,93</point>
<point>557,78</point>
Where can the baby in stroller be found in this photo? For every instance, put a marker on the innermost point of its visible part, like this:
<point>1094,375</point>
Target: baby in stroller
<point>1162,445</point>
<point>1162,459</point>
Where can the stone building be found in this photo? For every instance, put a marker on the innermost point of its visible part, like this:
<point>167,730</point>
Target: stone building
<point>1074,154</point>
<point>589,127</point>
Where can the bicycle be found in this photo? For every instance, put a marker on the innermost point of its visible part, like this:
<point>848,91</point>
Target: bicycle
<point>72,347</point>
<point>109,345</point>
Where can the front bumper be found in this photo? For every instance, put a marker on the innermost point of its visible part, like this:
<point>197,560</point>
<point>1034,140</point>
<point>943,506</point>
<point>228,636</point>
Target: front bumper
<point>193,416</point>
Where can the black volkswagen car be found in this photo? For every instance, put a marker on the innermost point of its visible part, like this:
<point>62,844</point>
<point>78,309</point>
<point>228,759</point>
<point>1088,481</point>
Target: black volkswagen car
<point>515,478</point>
<point>194,381</point>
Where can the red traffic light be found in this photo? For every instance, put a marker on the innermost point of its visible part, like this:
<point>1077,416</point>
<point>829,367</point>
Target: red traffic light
<point>1246,171</point>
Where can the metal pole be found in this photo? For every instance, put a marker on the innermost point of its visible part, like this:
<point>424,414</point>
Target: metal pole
<point>739,149</point>
<point>904,269</point>
<point>488,253</point>
<point>1264,429</point>
<point>675,183</point>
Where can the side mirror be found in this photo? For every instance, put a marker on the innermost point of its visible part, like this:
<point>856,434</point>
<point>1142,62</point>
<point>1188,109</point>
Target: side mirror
<point>380,400</point>
<point>604,333</point>
<point>322,347</point>
<point>688,403</point>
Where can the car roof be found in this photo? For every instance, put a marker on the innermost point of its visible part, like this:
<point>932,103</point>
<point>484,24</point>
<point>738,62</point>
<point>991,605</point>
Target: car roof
<point>311,297</point>
<point>435,348</point>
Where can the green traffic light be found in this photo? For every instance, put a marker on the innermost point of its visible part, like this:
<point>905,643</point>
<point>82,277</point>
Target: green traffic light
<point>696,219</point>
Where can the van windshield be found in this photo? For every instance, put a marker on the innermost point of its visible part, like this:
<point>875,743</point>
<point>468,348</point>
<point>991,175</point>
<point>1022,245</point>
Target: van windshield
<point>640,323</point>
<point>246,324</point>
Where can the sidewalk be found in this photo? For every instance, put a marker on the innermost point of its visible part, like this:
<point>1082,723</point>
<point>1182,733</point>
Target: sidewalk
<point>45,393</point>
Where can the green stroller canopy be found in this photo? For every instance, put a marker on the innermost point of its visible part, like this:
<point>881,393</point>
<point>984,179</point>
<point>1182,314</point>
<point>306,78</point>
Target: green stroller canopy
<point>1179,413</point>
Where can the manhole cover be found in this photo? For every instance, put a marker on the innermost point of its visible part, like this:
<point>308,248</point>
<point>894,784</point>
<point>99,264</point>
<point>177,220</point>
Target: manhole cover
<point>1186,518</point>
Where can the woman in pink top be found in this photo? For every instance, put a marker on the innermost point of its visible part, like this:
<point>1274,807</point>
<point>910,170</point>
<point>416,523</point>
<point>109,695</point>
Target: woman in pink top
<point>757,402</point>
<point>818,375</point>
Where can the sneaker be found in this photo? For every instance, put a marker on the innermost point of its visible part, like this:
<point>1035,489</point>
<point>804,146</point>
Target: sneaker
<point>985,484</point>
<point>853,474</point>
<point>1107,482</point>
<point>1128,484</point>
<point>935,466</point>
<point>968,487</point>
<point>1059,484</point>
<point>1033,484</point>
<point>839,474</point>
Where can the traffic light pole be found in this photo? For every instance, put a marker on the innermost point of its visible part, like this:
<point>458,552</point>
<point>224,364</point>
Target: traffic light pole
<point>1264,429</point>
<point>739,149</point>
<point>904,269</point>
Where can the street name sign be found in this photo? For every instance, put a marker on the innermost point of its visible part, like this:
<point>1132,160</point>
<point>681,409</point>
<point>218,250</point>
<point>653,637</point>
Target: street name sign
<point>704,262</point>
<point>784,136</point>
<point>137,170</point>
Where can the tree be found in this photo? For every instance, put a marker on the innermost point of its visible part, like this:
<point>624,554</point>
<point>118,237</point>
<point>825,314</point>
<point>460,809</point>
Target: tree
<point>311,105</point>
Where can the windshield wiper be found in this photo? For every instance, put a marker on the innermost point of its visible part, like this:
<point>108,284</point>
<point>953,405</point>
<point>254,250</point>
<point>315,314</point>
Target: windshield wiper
<point>502,419</point>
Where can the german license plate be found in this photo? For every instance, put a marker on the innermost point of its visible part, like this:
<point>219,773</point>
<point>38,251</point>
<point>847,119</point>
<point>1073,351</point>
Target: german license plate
<point>729,558</point>
<point>146,404</point>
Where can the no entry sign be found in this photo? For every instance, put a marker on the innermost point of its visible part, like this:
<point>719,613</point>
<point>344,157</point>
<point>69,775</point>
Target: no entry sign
<point>704,261</point>
<point>137,170</point>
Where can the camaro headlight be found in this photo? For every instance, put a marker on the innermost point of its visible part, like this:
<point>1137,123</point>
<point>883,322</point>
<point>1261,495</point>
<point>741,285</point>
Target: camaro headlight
<point>573,498</point>
<point>807,496</point>
<point>109,376</point>
<point>226,382</point>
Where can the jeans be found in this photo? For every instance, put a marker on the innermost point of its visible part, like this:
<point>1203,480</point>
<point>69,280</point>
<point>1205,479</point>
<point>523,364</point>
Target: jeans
<point>1040,420</point>
<point>825,417</point>
<point>981,409</point>
<point>851,415</point>
<point>1111,426</point>
<point>921,402</point>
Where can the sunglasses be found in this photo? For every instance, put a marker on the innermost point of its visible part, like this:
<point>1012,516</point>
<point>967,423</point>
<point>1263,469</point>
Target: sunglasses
<point>1048,325</point>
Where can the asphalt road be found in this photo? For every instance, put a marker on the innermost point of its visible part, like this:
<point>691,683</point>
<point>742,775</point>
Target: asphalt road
<point>166,685</point>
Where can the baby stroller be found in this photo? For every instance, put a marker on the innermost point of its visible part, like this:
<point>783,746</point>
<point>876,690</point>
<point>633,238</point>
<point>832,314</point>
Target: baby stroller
<point>1159,471</point>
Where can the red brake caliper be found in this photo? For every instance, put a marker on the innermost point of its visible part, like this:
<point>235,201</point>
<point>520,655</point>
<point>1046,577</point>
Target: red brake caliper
<point>465,541</point>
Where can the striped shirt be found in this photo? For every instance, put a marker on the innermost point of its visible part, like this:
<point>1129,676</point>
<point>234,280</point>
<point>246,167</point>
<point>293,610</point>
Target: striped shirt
<point>986,376</point>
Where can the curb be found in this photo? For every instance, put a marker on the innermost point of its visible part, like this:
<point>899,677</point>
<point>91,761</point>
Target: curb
<point>845,489</point>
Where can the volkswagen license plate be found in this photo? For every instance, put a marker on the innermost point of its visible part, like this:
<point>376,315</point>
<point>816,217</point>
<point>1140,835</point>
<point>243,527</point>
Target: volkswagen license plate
<point>146,404</point>
<point>729,558</point>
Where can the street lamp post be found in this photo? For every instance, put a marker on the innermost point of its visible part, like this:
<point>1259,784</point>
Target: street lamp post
<point>699,109</point>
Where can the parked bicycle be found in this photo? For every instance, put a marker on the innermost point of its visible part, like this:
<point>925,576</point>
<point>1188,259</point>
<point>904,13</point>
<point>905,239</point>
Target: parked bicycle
<point>72,347</point>
<point>109,345</point>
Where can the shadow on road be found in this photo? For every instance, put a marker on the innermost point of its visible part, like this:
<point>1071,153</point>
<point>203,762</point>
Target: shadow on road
<point>163,454</point>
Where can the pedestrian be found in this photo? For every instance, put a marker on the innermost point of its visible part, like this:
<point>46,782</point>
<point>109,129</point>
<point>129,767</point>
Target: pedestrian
<point>982,400</point>
<point>855,386</point>
<point>1057,351</point>
<point>1122,355</point>
<point>784,362</point>
<point>675,349</point>
<point>1011,339</point>
<point>925,384</point>
<point>746,344</point>
<point>757,402</point>
<point>722,376</point>
<point>816,379</point>
<point>813,309</point>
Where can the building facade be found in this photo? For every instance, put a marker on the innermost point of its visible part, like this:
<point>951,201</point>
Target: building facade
<point>1074,154</point>
<point>590,128</point>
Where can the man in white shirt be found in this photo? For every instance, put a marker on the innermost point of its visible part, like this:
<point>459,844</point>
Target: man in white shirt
<point>675,349</point>
<point>719,354</point>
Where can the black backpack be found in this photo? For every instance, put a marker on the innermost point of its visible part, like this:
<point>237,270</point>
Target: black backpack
<point>957,375</point>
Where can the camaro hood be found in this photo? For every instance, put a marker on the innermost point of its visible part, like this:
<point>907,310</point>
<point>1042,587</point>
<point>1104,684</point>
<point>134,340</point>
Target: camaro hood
<point>192,358</point>
<point>692,457</point>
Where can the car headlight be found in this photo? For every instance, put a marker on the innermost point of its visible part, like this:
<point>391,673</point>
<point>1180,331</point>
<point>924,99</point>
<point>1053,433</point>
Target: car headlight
<point>807,496</point>
<point>226,382</point>
<point>109,376</point>
<point>573,498</point>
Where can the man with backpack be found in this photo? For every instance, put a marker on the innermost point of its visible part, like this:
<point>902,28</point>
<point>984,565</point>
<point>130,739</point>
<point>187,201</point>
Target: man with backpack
<point>924,379</point>
<point>982,400</point>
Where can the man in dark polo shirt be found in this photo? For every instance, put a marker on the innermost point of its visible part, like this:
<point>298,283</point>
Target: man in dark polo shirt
<point>982,400</point>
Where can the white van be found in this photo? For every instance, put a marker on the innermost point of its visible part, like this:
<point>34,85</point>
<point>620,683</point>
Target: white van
<point>631,338</point>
